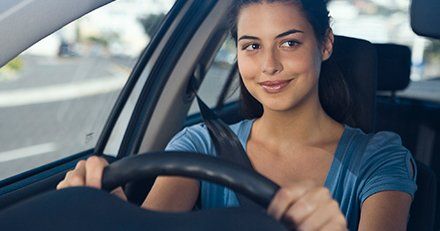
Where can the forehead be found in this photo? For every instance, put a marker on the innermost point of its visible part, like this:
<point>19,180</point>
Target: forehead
<point>270,18</point>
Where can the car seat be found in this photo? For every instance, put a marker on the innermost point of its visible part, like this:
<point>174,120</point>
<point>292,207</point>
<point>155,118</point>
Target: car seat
<point>394,62</point>
<point>356,61</point>
<point>394,69</point>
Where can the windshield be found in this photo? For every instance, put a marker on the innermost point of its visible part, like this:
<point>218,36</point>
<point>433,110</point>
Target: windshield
<point>56,96</point>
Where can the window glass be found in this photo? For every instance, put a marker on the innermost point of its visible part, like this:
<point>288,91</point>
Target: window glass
<point>216,77</point>
<point>56,96</point>
<point>387,21</point>
<point>233,92</point>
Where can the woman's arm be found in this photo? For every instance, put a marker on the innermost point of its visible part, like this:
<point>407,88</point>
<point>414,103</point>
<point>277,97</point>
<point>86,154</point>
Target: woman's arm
<point>179,194</point>
<point>388,191</point>
<point>387,210</point>
<point>172,194</point>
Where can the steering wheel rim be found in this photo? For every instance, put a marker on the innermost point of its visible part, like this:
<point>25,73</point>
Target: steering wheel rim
<point>194,165</point>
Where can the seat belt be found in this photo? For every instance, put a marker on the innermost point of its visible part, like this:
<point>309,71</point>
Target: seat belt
<point>227,145</point>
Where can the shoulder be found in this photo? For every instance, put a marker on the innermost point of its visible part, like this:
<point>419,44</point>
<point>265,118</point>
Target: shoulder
<point>196,138</point>
<point>380,154</point>
<point>386,164</point>
<point>385,139</point>
<point>385,146</point>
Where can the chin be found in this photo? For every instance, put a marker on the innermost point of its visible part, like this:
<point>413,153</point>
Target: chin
<point>279,105</point>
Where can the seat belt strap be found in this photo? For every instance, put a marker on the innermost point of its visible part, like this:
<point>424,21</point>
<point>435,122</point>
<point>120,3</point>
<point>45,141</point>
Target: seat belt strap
<point>226,142</point>
<point>227,145</point>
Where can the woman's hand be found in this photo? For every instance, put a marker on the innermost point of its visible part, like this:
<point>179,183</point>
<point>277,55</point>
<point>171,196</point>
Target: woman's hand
<point>88,173</point>
<point>305,206</point>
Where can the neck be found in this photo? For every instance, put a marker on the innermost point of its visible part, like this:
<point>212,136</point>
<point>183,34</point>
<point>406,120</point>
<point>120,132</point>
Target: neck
<point>306,123</point>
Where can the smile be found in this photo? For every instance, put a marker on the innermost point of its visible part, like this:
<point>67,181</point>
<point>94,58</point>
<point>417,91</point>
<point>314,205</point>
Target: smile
<point>274,86</point>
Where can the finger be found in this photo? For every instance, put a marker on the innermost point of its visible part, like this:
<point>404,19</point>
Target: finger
<point>81,166</point>
<point>76,177</point>
<point>306,205</point>
<point>285,197</point>
<point>321,216</point>
<point>68,174</point>
<point>337,224</point>
<point>62,184</point>
<point>94,168</point>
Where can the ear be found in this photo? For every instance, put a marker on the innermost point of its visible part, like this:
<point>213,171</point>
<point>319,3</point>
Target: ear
<point>328,45</point>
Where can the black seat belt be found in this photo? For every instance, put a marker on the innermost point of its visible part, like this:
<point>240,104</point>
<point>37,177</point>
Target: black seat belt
<point>227,145</point>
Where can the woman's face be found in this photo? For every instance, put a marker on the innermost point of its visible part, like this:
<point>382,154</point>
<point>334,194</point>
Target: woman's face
<point>278,55</point>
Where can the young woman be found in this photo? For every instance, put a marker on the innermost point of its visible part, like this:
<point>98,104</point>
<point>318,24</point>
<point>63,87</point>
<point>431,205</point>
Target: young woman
<point>295,136</point>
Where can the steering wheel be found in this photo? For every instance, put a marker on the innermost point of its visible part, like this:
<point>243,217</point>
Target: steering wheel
<point>85,208</point>
<point>194,165</point>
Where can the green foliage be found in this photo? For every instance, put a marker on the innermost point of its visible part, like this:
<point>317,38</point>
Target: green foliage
<point>14,65</point>
<point>99,40</point>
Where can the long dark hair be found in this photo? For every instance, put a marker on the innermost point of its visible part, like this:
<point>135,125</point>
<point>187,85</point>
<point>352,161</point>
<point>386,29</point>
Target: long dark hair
<point>334,94</point>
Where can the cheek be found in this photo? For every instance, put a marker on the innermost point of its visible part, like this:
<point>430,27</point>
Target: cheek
<point>305,63</point>
<point>247,67</point>
<point>249,73</point>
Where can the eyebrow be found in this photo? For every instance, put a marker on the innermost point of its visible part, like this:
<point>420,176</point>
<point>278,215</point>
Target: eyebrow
<point>289,32</point>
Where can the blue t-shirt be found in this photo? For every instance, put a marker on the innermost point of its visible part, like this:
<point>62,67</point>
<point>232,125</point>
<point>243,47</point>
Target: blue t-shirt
<point>353,176</point>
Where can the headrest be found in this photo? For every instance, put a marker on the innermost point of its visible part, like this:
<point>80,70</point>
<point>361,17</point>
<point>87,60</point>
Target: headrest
<point>394,67</point>
<point>425,17</point>
<point>356,61</point>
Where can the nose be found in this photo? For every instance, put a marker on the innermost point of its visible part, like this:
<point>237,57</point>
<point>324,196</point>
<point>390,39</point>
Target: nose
<point>271,64</point>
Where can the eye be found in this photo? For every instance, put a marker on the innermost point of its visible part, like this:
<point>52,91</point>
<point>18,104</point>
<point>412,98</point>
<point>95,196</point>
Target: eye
<point>290,43</point>
<point>251,47</point>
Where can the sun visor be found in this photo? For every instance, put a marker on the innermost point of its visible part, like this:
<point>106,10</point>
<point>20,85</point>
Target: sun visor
<point>425,17</point>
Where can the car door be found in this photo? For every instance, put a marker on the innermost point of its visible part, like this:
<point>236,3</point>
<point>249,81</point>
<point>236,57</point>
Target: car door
<point>134,111</point>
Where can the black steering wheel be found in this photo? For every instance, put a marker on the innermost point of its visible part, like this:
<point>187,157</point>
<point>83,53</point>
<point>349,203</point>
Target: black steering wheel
<point>194,165</point>
<point>84,208</point>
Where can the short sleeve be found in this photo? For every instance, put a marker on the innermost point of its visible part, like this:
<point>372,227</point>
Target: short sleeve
<point>196,139</point>
<point>387,166</point>
<point>191,139</point>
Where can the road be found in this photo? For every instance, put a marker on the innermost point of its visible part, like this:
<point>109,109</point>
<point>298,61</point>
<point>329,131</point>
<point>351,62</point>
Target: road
<point>54,108</point>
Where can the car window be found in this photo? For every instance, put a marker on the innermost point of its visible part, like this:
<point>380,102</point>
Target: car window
<point>217,76</point>
<point>56,96</point>
<point>387,22</point>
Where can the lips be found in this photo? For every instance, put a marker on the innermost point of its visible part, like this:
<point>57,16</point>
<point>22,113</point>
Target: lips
<point>274,86</point>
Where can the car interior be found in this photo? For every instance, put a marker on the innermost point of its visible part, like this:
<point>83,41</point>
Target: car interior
<point>375,73</point>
